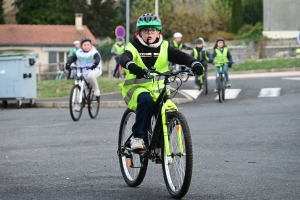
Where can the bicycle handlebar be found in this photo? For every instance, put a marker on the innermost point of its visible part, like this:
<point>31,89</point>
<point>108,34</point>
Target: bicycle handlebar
<point>167,74</point>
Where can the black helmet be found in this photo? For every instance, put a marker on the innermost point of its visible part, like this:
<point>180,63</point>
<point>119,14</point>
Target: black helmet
<point>84,39</point>
<point>119,39</point>
<point>148,20</point>
<point>220,39</point>
<point>199,41</point>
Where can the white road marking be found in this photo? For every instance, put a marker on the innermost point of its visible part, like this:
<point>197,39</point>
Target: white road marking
<point>292,78</point>
<point>192,93</point>
<point>269,92</point>
<point>230,94</point>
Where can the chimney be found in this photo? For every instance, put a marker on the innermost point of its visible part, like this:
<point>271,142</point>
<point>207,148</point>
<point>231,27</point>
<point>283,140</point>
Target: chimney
<point>78,21</point>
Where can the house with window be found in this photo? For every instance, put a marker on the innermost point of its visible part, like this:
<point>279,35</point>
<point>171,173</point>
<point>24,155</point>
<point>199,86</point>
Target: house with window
<point>52,43</point>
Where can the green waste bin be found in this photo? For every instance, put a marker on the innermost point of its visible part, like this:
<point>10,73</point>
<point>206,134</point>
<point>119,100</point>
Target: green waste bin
<point>18,78</point>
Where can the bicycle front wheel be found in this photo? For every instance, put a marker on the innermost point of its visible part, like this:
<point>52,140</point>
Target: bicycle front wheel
<point>220,87</point>
<point>74,103</point>
<point>205,83</point>
<point>133,166</point>
<point>178,166</point>
<point>93,106</point>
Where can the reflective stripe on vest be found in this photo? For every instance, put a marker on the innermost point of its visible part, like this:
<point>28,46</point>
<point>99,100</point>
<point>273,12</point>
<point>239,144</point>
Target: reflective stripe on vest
<point>221,57</point>
<point>119,49</point>
<point>176,45</point>
<point>132,87</point>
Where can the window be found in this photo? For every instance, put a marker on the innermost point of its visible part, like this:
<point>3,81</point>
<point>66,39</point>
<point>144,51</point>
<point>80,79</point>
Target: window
<point>52,57</point>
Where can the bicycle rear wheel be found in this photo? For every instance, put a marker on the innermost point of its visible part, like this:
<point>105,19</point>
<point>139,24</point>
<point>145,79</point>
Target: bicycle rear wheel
<point>93,105</point>
<point>74,105</point>
<point>177,168</point>
<point>132,169</point>
<point>220,87</point>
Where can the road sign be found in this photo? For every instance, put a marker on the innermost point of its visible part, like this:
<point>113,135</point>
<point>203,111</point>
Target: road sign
<point>120,31</point>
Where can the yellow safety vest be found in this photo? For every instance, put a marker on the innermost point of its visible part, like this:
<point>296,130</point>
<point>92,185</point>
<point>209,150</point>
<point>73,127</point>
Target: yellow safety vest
<point>221,57</point>
<point>119,49</point>
<point>196,54</point>
<point>132,87</point>
<point>176,45</point>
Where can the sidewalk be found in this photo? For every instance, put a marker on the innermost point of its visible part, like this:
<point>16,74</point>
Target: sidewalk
<point>115,100</point>
<point>111,100</point>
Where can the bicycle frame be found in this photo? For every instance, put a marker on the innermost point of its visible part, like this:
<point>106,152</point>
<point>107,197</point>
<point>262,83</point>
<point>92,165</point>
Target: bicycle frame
<point>165,105</point>
<point>83,84</point>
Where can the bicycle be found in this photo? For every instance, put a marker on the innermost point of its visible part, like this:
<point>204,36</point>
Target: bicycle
<point>176,67</point>
<point>203,81</point>
<point>168,126</point>
<point>81,94</point>
<point>120,73</point>
<point>221,86</point>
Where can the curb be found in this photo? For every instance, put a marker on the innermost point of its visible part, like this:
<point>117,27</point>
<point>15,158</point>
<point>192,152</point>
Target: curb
<point>103,104</point>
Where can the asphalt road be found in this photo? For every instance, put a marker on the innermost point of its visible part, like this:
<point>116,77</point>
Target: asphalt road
<point>244,148</point>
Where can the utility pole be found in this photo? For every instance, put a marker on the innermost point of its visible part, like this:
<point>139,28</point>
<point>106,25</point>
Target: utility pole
<point>156,8</point>
<point>127,20</point>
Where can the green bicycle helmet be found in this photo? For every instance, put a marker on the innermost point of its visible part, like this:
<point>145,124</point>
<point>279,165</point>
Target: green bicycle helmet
<point>148,20</point>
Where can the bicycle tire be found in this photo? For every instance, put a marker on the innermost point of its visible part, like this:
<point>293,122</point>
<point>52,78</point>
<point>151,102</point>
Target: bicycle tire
<point>93,105</point>
<point>178,160</point>
<point>205,83</point>
<point>220,89</point>
<point>132,176</point>
<point>223,89</point>
<point>73,102</point>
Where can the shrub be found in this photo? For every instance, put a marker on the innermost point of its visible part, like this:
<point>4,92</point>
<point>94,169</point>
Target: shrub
<point>245,29</point>
<point>225,35</point>
<point>105,51</point>
<point>254,34</point>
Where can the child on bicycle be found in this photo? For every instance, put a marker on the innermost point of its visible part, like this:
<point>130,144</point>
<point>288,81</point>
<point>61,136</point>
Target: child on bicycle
<point>88,56</point>
<point>117,50</point>
<point>201,54</point>
<point>219,56</point>
<point>147,49</point>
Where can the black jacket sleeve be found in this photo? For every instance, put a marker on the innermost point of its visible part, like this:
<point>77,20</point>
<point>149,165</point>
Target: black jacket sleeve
<point>97,59</point>
<point>179,57</point>
<point>72,59</point>
<point>186,47</point>
<point>126,59</point>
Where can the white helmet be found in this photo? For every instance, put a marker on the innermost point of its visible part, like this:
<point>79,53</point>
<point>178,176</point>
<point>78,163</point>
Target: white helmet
<point>177,35</point>
<point>76,42</point>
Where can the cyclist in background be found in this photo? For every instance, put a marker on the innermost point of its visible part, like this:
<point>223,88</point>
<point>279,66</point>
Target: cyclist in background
<point>201,54</point>
<point>88,56</point>
<point>117,50</point>
<point>72,51</point>
<point>219,56</point>
<point>148,49</point>
<point>178,43</point>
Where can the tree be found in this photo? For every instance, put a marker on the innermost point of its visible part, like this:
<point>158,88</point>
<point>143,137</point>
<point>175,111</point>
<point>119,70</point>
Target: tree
<point>222,11</point>
<point>236,16</point>
<point>253,11</point>
<point>45,12</point>
<point>101,16</point>
<point>2,20</point>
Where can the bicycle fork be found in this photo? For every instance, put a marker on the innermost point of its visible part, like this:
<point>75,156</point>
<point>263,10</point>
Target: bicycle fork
<point>81,84</point>
<point>168,107</point>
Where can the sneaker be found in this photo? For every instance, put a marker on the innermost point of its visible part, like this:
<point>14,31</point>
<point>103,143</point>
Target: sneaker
<point>137,143</point>
<point>77,108</point>
<point>97,92</point>
<point>196,86</point>
<point>215,90</point>
<point>228,84</point>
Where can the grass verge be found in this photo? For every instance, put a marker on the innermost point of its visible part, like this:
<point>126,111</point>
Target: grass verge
<point>52,88</point>
<point>279,63</point>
